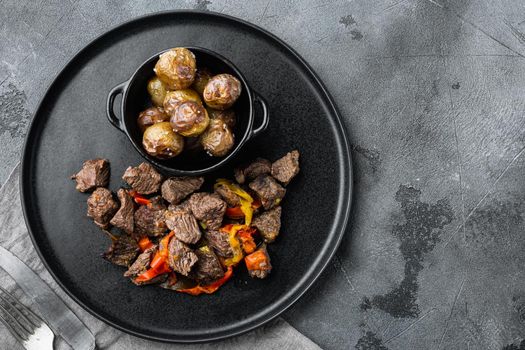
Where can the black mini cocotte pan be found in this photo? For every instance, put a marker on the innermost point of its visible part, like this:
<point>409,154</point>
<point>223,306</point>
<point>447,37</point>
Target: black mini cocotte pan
<point>135,99</point>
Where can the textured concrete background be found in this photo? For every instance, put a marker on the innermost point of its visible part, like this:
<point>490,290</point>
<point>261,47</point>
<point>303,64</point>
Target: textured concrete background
<point>432,93</point>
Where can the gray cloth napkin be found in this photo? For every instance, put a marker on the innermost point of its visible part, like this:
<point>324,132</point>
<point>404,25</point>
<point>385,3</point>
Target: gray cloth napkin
<point>277,334</point>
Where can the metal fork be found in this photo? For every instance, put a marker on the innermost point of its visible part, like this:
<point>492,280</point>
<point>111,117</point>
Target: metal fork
<point>24,324</point>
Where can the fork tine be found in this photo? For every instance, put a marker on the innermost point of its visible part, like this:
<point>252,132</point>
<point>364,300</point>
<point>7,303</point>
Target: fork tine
<point>12,324</point>
<point>13,311</point>
<point>24,310</point>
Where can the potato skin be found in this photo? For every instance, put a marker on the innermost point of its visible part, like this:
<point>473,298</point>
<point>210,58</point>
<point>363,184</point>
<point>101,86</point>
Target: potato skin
<point>151,116</point>
<point>222,91</point>
<point>202,76</point>
<point>176,68</point>
<point>159,140</point>
<point>218,139</point>
<point>157,91</point>
<point>189,119</point>
<point>173,98</point>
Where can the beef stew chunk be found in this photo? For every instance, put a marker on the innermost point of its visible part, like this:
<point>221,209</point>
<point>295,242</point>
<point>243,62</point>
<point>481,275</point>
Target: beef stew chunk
<point>123,251</point>
<point>101,207</point>
<point>144,179</point>
<point>208,267</point>
<point>285,169</point>
<point>184,206</point>
<point>123,219</point>
<point>268,223</point>
<point>268,190</point>
<point>180,257</point>
<point>220,242</point>
<point>187,259</point>
<point>149,219</point>
<point>141,265</point>
<point>228,195</point>
<point>184,225</point>
<point>94,173</point>
<point>259,166</point>
<point>208,208</point>
<point>175,189</point>
<point>258,263</point>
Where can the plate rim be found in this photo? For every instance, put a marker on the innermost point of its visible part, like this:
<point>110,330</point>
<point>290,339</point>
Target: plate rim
<point>328,250</point>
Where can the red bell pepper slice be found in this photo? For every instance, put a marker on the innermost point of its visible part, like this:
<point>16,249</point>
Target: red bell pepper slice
<point>234,213</point>
<point>139,199</point>
<point>161,268</point>
<point>164,242</point>
<point>257,261</point>
<point>237,213</point>
<point>145,243</point>
<point>226,228</point>
<point>210,288</point>
<point>246,238</point>
<point>256,204</point>
<point>159,264</point>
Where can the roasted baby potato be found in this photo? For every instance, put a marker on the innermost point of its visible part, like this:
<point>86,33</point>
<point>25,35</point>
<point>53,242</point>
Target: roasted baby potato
<point>202,76</point>
<point>189,119</point>
<point>160,141</point>
<point>218,139</point>
<point>173,98</point>
<point>157,91</point>
<point>176,68</point>
<point>227,116</point>
<point>151,116</point>
<point>222,91</point>
<point>191,108</point>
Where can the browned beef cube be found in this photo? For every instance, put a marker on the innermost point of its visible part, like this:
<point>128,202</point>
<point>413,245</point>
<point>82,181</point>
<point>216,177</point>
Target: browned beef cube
<point>285,169</point>
<point>184,206</point>
<point>249,172</point>
<point>101,206</point>
<point>141,265</point>
<point>123,219</point>
<point>181,258</point>
<point>208,208</point>
<point>220,242</point>
<point>123,251</point>
<point>149,219</point>
<point>175,189</point>
<point>268,223</point>
<point>94,173</point>
<point>268,190</point>
<point>228,195</point>
<point>208,268</point>
<point>144,179</point>
<point>184,225</point>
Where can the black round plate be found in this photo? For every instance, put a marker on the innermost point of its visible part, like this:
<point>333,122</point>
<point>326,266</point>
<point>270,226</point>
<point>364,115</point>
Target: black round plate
<point>70,126</point>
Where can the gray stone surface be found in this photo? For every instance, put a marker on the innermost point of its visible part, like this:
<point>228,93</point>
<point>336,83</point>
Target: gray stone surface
<point>432,95</point>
